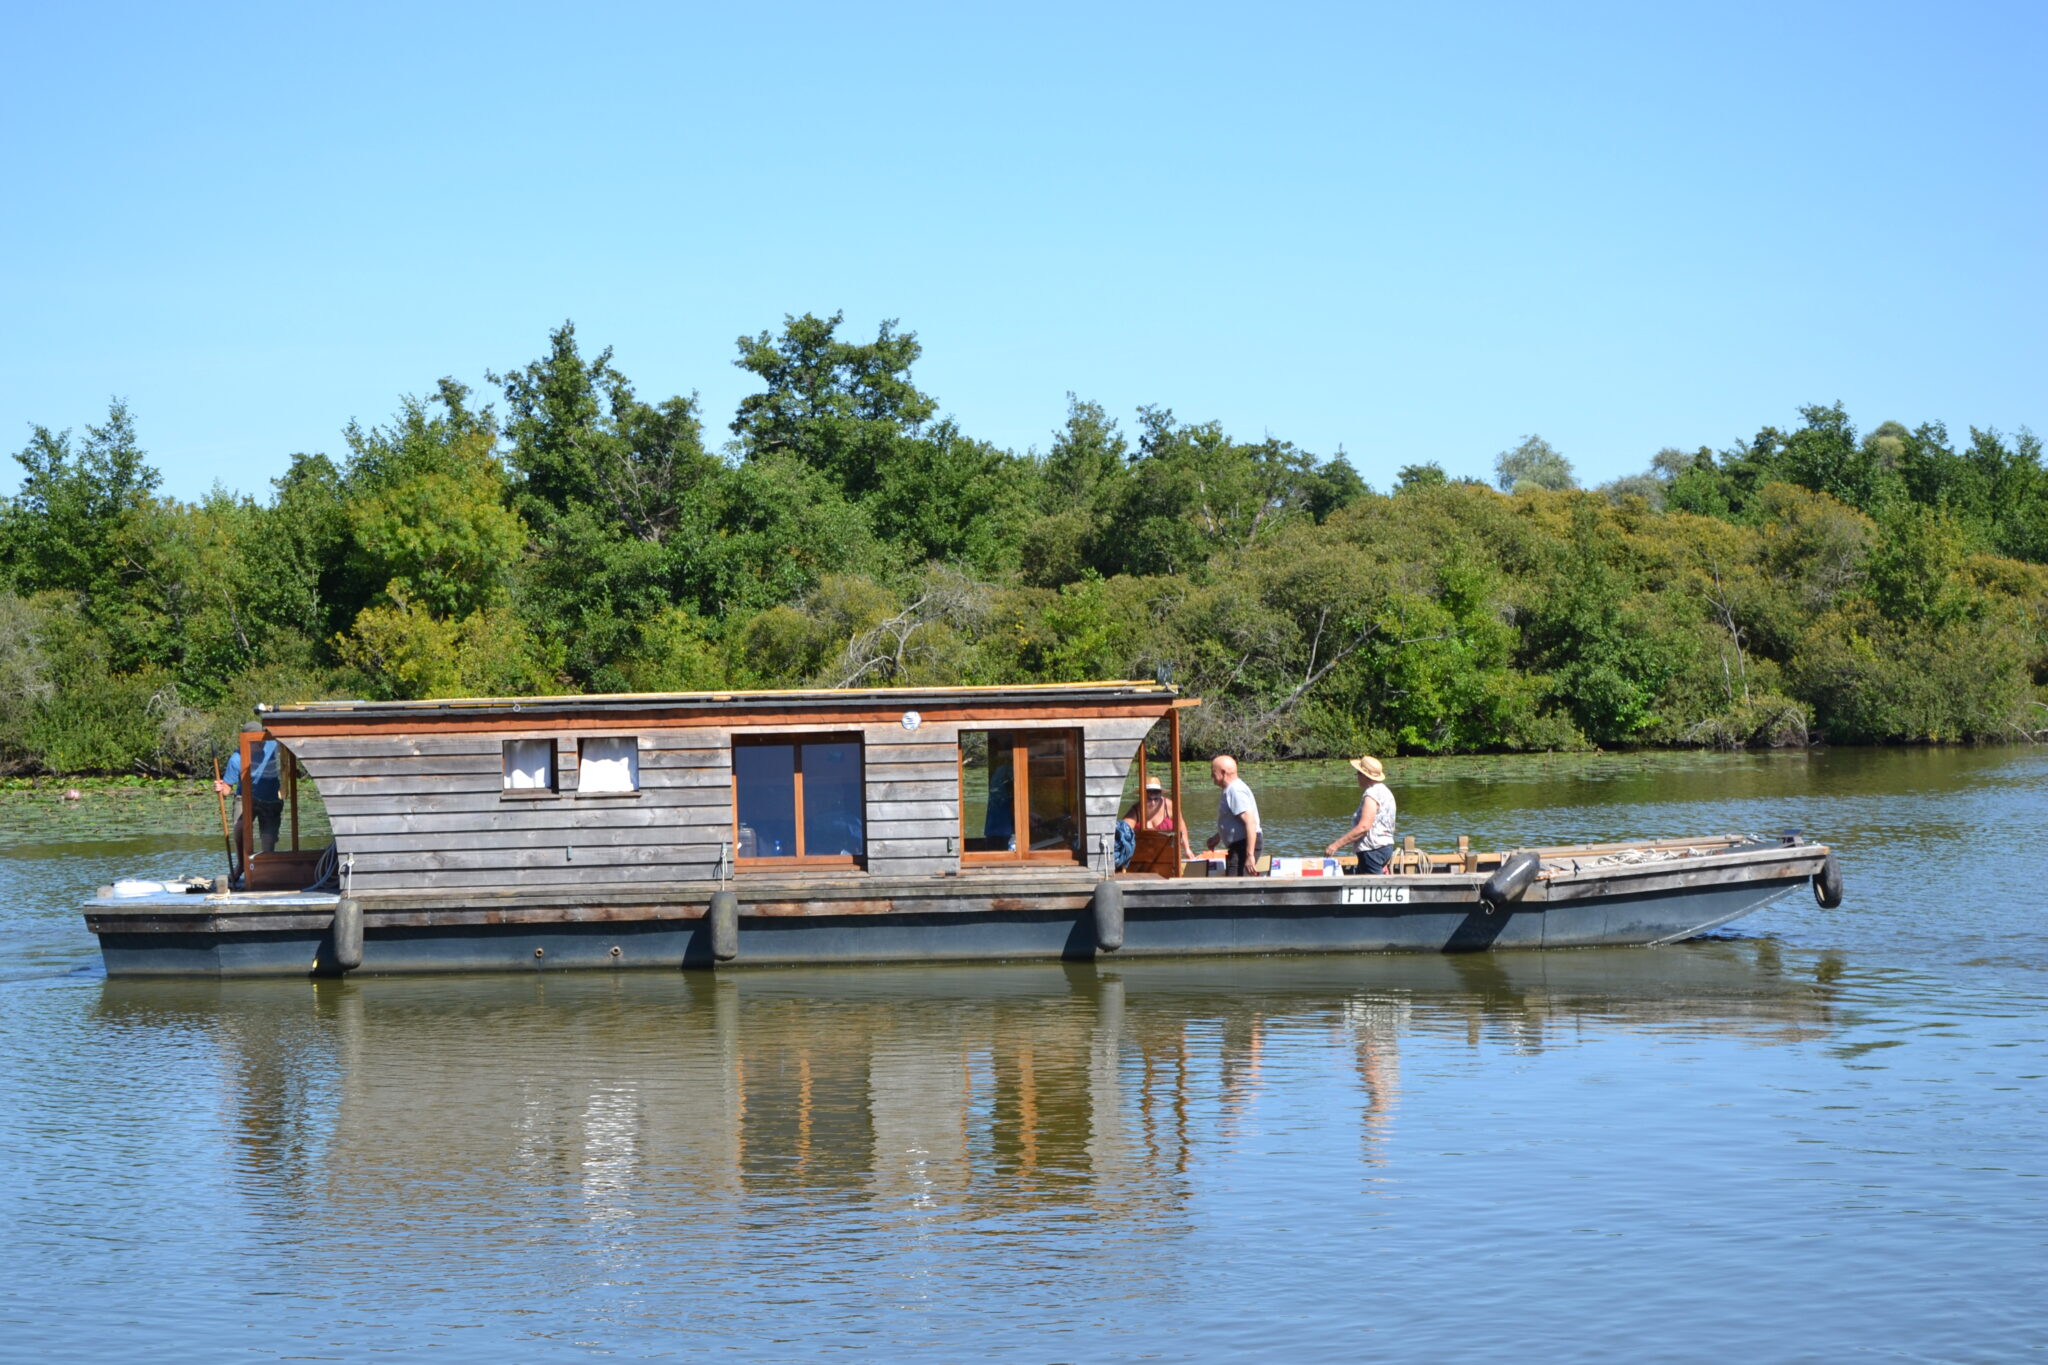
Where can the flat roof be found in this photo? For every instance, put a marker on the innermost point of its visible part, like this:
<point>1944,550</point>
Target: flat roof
<point>1088,693</point>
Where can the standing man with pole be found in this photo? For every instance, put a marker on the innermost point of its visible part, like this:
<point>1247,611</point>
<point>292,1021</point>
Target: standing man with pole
<point>264,798</point>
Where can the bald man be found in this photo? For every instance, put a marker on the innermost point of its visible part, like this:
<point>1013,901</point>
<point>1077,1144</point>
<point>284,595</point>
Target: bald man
<point>1237,820</point>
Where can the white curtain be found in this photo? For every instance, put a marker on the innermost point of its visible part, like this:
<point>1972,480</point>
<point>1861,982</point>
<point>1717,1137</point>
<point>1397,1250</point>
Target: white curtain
<point>529,764</point>
<point>609,765</point>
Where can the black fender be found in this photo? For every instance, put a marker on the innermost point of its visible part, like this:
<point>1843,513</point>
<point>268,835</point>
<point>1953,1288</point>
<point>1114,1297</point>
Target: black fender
<point>723,919</point>
<point>348,933</point>
<point>1827,883</point>
<point>1514,878</point>
<point>1108,908</point>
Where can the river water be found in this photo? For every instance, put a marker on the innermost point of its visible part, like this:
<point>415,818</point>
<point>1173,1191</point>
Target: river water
<point>1818,1134</point>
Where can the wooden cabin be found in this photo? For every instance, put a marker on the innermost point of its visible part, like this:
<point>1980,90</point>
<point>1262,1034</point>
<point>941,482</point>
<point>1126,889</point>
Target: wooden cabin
<point>611,791</point>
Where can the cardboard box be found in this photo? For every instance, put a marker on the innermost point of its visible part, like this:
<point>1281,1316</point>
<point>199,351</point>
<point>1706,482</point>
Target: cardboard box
<point>1307,867</point>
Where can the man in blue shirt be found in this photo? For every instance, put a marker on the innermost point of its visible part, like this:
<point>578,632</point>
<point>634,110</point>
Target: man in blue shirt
<point>266,800</point>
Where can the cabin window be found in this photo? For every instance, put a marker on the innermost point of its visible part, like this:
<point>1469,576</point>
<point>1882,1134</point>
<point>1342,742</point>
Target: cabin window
<point>608,766</point>
<point>799,800</point>
<point>1021,780</point>
<point>529,765</point>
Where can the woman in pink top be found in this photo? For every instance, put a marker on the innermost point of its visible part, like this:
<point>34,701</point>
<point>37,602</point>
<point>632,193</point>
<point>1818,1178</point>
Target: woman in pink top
<point>1154,812</point>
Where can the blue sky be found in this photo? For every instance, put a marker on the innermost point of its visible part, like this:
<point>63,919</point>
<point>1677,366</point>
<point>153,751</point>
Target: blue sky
<point>1413,232</point>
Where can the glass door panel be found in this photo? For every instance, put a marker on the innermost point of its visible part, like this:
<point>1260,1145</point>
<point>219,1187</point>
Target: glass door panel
<point>1055,816</point>
<point>1020,780</point>
<point>833,800</point>
<point>764,793</point>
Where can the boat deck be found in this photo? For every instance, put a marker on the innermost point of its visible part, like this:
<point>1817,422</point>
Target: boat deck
<point>1591,895</point>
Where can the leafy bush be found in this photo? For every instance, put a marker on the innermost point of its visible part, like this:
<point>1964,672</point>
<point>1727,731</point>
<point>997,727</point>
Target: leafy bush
<point>1814,582</point>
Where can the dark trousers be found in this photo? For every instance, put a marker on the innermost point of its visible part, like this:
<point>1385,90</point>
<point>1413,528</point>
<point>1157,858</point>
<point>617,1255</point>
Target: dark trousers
<point>1373,860</point>
<point>1240,860</point>
<point>269,815</point>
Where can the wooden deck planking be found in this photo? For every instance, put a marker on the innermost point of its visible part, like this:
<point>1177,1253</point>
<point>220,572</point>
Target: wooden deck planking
<point>906,866</point>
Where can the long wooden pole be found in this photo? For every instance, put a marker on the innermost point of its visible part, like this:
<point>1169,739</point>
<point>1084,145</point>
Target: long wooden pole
<point>220,799</point>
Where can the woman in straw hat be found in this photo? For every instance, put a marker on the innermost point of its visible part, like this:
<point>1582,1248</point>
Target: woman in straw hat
<point>1372,829</point>
<point>1152,811</point>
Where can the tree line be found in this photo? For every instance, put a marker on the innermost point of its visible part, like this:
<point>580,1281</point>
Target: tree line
<point>570,535</point>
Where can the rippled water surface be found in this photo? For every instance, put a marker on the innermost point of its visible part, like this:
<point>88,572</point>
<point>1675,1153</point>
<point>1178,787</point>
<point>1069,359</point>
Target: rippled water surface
<point>1818,1135</point>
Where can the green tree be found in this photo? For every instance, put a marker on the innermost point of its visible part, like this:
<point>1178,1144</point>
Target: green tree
<point>783,525</point>
<point>1428,475</point>
<point>842,408</point>
<point>1194,492</point>
<point>400,650</point>
<point>621,500</point>
<point>1535,463</point>
<point>427,509</point>
<point>1083,481</point>
<point>1608,657</point>
<point>59,530</point>
<point>298,553</point>
<point>943,496</point>
<point>1824,455</point>
<point>580,438</point>
<point>1915,570</point>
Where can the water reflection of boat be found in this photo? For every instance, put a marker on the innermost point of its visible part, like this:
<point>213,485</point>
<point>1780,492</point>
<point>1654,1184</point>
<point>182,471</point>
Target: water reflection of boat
<point>963,1088</point>
<point>810,827</point>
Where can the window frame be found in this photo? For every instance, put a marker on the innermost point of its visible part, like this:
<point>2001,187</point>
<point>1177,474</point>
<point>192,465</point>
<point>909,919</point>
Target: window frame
<point>840,861</point>
<point>638,785</point>
<point>553,789</point>
<point>1020,795</point>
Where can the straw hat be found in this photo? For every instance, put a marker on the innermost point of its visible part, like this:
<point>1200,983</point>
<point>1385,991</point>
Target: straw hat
<point>1370,766</point>
<point>1152,784</point>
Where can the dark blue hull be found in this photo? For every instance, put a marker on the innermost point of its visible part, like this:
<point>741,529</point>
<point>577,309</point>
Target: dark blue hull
<point>1046,917</point>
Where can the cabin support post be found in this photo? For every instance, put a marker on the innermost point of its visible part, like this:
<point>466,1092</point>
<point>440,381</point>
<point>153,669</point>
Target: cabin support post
<point>1180,810</point>
<point>245,822</point>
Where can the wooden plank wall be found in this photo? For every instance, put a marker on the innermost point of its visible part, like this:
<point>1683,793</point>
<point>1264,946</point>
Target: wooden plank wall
<point>430,811</point>
<point>1109,748</point>
<point>913,779</point>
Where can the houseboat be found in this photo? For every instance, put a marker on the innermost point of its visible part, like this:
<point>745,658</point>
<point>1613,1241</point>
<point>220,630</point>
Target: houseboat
<point>886,824</point>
